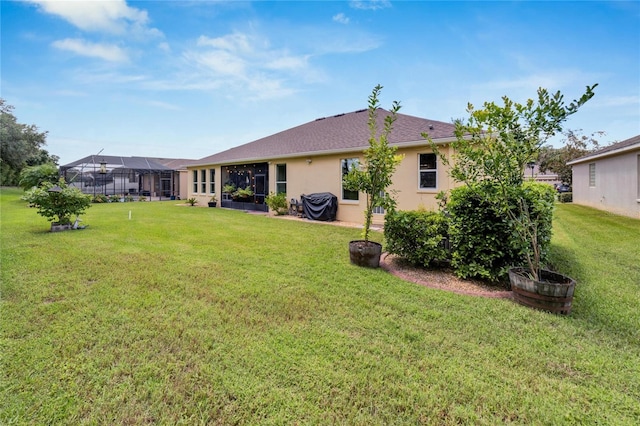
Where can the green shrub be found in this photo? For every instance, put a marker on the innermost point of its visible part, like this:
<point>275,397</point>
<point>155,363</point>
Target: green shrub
<point>100,198</point>
<point>419,237</point>
<point>36,175</point>
<point>277,202</point>
<point>565,197</point>
<point>114,198</point>
<point>192,201</point>
<point>58,203</point>
<point>485,241</point>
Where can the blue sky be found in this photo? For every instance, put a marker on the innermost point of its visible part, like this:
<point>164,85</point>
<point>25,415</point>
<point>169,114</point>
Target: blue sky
<point>187,79</point>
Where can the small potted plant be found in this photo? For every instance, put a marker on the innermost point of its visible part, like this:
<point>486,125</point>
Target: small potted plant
<point>213,201</point>
<point>373,178</point>
<point>243,194</point>
<point>227,191</point>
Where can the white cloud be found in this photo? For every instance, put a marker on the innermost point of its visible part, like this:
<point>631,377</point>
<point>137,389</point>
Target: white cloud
<point>162,105</point>
<point>370,4</point>
<point>113,16</point>
<point>616,101</point>
<point>108,52</point>
<point>165,47</point>
<point>236,42</point>
<point>283,61</point>
<point>243,63</point>
<point>219,62</point>
<point>341,18</point>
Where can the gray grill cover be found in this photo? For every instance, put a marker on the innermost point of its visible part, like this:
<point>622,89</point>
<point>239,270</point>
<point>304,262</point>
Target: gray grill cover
<point>320,206</point>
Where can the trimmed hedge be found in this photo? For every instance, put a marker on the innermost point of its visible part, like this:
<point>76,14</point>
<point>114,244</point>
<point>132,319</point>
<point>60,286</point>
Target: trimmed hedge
<point>484,242</point>
<point>419,237</point>
<point>565,197</point>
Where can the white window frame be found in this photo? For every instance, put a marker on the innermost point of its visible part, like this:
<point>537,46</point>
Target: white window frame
<point>203,179</point>
<point>195,181</point>
<point>592,175</point>
<point>212,181</point>
<point>349,163</point>
<point>378,209</point>
<point>427,170</point>
<point>280,183</point>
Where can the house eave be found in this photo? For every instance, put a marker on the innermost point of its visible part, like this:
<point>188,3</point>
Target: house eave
<point>410,144</point>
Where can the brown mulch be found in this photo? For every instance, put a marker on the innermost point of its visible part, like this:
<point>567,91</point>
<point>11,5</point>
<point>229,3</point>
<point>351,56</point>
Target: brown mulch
<point>442,279</point>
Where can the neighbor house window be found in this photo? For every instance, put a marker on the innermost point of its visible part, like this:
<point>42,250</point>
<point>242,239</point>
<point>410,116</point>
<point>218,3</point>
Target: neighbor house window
<point>195,181</point>
<point>347,164</point>
<point>428,171</point>
<point>212,181</point>
<point>592,174</point>
<point>203,181</point>
<point>281,178</point>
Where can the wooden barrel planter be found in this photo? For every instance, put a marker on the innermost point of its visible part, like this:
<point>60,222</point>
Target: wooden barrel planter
<point>553,292</point>
<point>365,253</point>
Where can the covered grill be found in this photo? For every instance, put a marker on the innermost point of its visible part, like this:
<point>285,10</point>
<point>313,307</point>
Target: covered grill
<point>320,206</point>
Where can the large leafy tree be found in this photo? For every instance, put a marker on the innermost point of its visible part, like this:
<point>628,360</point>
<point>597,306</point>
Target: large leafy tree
<point>575,145</point>
<point>21,145</point>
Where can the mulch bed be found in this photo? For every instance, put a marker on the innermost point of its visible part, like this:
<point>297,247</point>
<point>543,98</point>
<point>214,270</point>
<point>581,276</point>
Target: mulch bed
<point>442,279</point>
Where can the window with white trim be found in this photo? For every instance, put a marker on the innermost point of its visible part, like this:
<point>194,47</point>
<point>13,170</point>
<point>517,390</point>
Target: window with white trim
<point>195,181</point>
<point>346,165</point>
<point>379,209</point>
<point>428,171</point>
<point>281,178</point>
<point>203,181</point>
<point>592,174</point>
<point>212,181</point>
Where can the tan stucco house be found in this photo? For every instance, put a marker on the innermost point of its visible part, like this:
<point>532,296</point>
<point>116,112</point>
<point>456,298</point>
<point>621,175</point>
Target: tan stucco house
<point>312,158</point>
<point>609,179</point>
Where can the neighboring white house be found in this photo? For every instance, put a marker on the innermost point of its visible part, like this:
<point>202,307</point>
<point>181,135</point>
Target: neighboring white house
<point>609,179</point>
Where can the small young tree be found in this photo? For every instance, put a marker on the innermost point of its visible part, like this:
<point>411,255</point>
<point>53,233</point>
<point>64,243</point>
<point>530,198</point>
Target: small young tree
<point>373,177</point>
<point>493,147</point>
<point>58,202</point>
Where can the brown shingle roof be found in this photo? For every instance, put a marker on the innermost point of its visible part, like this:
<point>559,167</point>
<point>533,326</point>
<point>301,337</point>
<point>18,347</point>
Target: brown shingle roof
<point>342,132</point>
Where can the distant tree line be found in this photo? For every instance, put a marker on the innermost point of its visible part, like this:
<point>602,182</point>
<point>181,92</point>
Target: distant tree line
<point>21,147</point>
<point>575,145</point>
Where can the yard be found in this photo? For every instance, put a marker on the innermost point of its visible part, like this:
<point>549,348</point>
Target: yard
<point>187,315</point>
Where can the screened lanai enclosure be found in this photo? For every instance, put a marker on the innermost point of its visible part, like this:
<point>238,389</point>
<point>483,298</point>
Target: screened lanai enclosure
<point>112,175</point>
<point>246,176</point>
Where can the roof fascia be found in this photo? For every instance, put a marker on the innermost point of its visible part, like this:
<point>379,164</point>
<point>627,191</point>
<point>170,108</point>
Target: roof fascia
<point>605,154</point>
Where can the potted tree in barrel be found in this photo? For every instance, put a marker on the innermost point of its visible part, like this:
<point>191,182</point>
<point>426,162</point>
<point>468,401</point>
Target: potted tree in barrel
<point>373,177</point>
<point>491,152</point>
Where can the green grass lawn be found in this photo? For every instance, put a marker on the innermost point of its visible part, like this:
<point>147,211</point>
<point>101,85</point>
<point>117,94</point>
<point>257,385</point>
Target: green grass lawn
<point>187,315</point>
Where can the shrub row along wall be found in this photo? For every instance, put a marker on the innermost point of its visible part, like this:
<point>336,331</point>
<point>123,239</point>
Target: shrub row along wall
<point>484,243</point>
